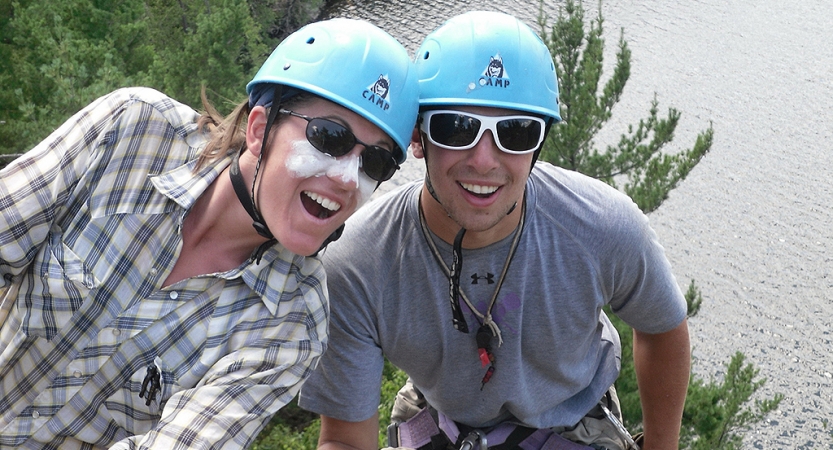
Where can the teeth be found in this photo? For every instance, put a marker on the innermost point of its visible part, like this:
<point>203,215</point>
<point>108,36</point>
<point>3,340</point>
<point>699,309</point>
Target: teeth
<point>478,189</point>
<point>323,201</point>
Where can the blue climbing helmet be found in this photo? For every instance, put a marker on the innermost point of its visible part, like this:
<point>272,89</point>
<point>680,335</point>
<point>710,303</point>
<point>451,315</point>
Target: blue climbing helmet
<point>354,64</point>
<point>488,59</point>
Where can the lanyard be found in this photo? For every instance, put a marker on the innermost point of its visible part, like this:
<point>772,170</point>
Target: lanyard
<point>488,328</point>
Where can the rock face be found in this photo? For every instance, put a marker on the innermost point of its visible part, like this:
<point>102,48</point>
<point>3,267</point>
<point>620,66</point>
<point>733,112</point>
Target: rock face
<point>752,223</point>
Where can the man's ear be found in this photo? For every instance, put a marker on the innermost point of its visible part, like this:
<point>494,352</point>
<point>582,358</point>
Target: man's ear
<point>416,144</point>
<point>255,127</point>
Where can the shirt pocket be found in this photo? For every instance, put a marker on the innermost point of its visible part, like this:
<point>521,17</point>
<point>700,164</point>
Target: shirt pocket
<point>60,282</point>
<point>144,396</point>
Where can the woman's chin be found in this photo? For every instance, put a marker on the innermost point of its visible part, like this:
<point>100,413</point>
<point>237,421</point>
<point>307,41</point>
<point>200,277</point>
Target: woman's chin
<point>302,244</point>
<point>304,249</point>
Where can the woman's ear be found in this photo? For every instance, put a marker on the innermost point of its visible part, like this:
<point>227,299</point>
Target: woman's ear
<point>416,144</point>
<point>255,127</point>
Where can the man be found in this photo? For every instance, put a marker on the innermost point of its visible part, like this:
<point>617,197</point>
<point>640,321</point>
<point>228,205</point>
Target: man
<point>139,306</point>
<point>485,283</point>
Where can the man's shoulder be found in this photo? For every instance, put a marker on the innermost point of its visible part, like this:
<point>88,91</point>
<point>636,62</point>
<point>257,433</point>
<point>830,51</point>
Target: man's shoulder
<point>551,177</point>
<point>387,211</point>
<point>556,184</point>
<point>382,223</point>
<point>581,203</point>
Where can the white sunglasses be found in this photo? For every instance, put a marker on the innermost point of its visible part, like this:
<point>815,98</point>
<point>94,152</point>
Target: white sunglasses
<point>457,130</point>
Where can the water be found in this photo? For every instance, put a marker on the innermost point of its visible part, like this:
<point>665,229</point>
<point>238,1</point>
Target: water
<point>752,223</point>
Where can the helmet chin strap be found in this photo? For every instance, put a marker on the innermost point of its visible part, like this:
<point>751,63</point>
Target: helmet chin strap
<point>248,204</point>
<point>248,200</point>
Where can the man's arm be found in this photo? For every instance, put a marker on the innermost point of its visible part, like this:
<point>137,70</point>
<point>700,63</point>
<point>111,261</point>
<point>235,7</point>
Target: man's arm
<point>341,435</point>
<point>663,363</point>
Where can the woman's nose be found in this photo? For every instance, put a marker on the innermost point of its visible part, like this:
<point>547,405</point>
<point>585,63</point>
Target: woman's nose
<point>346,169</point>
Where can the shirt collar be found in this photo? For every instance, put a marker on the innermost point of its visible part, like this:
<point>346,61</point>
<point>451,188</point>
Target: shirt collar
<point>183,186</point>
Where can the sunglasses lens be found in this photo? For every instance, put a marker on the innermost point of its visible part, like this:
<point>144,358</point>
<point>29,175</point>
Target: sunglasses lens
<point>378,163</point>
<point>336,140</point>
<point>330,137</point>
<point>453,130</point>
<point>519,135</point>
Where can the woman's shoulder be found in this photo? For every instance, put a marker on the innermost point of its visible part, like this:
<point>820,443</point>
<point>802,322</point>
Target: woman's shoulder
<point>146,99</point>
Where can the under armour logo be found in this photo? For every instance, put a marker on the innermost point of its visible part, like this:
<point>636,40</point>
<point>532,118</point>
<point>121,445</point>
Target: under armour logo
<point>490,278</point>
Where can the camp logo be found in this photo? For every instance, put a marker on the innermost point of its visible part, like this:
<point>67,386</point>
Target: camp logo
<point>495,73</point>
<point>377,93</point>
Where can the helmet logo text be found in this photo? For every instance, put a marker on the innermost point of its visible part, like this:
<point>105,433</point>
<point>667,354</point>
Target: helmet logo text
<point>377,93</point>
<point>495,73</point>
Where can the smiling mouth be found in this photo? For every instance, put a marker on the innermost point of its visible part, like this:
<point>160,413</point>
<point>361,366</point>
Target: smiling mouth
<point>319,206</point>
<point>480,190</point>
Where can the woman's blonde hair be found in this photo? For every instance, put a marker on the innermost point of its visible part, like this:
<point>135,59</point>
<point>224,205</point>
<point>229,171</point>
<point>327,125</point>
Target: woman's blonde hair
<point>227,134</point>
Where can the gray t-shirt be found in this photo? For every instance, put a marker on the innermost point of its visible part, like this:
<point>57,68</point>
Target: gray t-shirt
<point>584,245</point>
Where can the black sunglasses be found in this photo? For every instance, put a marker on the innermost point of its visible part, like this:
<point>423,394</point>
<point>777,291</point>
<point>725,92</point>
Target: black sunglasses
<point>336,140</point>
<point>457,130</point>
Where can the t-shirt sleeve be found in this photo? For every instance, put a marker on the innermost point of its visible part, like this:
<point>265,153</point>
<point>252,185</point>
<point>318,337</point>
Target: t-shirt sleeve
<point>346,385</point>
<point>644,292</point>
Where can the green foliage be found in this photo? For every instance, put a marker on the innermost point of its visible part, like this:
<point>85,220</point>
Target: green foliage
<point>216,45</point>
<point>638,157</point>
<point>57,56</point>
<point>291,429</point>
<point>392,380</point>
<point>715,412</point>
<point>693,300</point>
<point>295,429</point>
<point>279,18</point>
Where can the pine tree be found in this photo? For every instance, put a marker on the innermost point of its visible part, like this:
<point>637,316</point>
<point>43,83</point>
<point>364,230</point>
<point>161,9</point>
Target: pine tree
<point>714,411</point>
<point>638,158</point>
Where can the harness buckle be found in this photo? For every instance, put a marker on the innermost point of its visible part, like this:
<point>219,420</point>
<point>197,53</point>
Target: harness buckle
<point>393,434</point>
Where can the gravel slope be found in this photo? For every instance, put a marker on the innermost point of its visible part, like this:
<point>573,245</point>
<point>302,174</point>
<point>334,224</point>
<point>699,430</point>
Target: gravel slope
<point>752,223</point>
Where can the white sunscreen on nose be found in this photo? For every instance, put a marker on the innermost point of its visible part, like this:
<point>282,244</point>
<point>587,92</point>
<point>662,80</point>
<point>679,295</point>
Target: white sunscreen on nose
<point>305,161</point>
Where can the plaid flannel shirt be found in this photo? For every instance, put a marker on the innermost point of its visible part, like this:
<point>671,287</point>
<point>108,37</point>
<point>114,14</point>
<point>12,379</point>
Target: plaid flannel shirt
<point>89,230</point>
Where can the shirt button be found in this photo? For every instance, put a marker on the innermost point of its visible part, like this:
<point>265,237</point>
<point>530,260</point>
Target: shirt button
<point>77,374</point>
<point>35,414</point>
<point>154,271</point>
<point>174,295</point>
<point>116,332</point>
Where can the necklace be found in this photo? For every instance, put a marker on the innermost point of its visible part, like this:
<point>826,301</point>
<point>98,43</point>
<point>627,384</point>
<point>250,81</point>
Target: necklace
<point>488,328</point>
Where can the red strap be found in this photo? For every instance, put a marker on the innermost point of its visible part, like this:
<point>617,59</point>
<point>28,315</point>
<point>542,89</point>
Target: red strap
<point>484,356</point>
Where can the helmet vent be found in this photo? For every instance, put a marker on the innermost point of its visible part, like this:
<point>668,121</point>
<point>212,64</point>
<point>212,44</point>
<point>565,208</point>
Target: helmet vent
<point>287,66</point>
<point>310,40</point>
<point>426,55</point>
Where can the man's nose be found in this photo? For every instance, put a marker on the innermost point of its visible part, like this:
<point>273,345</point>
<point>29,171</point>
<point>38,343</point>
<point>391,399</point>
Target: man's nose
<point>485,153</point>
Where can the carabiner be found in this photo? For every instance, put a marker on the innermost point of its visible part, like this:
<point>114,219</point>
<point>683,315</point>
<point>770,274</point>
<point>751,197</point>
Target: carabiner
<point>475,437</point>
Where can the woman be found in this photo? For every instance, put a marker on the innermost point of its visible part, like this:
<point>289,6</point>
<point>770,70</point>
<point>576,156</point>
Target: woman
<point>142,308</point>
